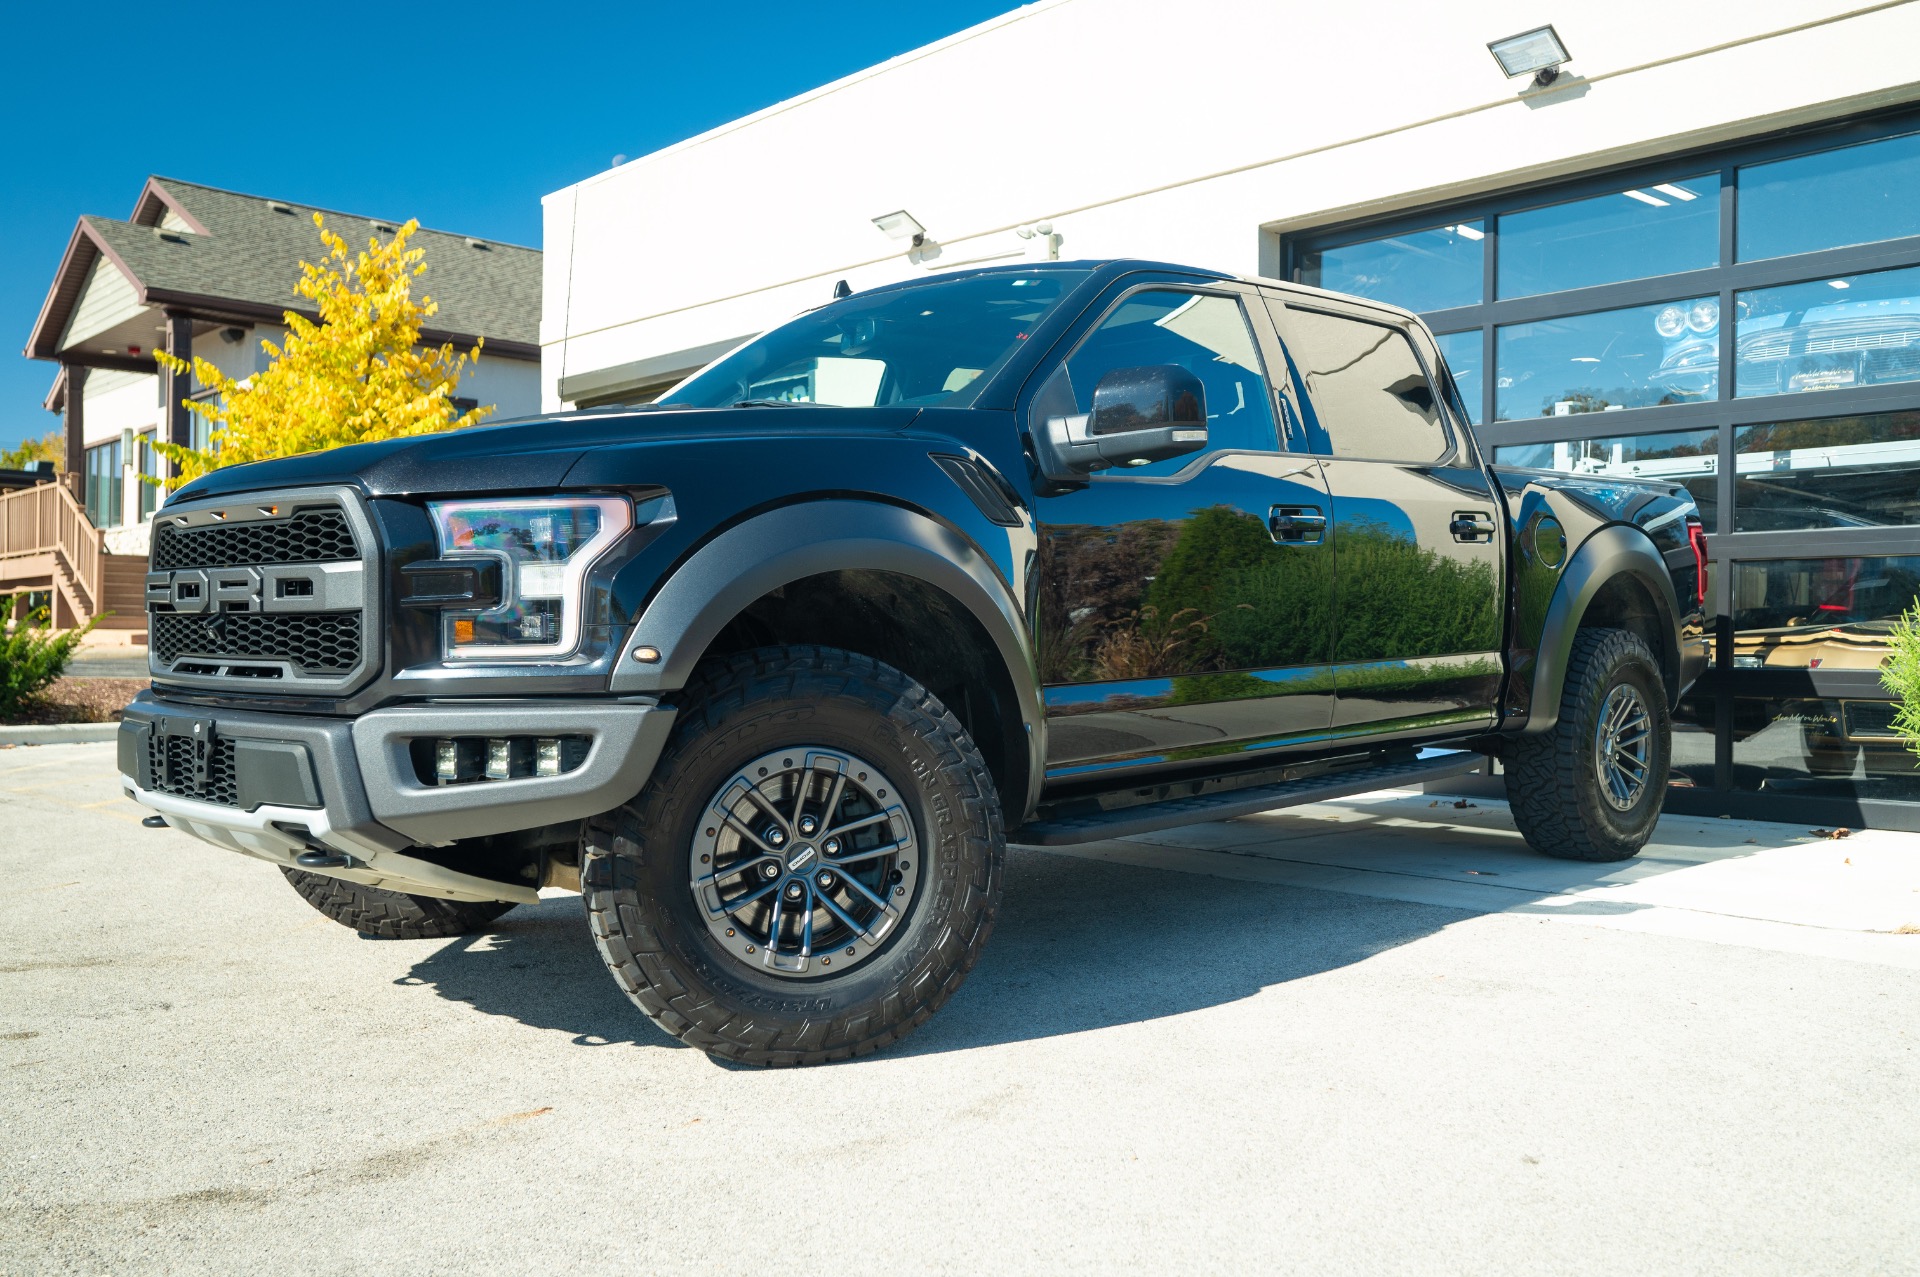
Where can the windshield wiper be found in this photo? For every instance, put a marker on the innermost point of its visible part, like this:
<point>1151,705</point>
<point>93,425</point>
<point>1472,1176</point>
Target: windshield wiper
<point>772,403</point>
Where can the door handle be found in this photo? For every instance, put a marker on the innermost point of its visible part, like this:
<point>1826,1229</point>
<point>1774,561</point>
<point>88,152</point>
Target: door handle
<point>1297,524</point>
<point>1471,525</point>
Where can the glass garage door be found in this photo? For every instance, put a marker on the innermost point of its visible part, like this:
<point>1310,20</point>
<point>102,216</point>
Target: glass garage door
<point>1745,322</point>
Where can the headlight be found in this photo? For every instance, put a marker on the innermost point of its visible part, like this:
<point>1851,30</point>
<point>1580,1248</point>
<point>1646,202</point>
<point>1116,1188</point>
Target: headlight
<point>545,546</point>
<point>1703,316</point>
<point>1670,322</point>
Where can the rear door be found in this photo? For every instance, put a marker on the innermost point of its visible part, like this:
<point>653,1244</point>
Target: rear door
<point>1417,537</point>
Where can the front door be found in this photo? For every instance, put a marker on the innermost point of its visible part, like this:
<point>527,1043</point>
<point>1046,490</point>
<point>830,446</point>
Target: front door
<point>1184,607</point>
<point>1417,537</point>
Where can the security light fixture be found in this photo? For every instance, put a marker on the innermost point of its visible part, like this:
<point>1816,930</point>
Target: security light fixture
<point>1538,53</point>
<point>902,225</point>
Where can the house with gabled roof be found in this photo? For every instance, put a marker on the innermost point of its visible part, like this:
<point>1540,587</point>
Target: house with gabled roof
<point>200,271</point>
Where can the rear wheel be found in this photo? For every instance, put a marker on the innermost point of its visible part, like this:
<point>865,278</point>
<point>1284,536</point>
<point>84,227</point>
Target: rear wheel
<point>812,869</point>
<point>1591,788</point>
<point>393,915</point>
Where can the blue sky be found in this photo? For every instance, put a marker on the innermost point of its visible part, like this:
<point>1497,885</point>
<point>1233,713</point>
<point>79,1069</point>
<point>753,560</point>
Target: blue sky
<point>460,115</point>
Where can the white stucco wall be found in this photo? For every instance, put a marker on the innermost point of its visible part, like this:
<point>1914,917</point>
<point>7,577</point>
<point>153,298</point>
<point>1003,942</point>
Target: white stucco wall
<point>512,386</point>
<point>117,401</point>
<point>1194,132</point>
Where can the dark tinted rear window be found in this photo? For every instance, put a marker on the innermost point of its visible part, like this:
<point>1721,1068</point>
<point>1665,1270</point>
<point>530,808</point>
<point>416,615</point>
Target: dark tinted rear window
<point>1366,394</point>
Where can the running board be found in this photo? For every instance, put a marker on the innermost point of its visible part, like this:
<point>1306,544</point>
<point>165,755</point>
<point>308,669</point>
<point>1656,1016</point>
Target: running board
<point>1123,821</point>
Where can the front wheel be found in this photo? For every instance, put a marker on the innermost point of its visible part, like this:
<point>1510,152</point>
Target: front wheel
<point>812,869</point>
<point>1591,788</point>
<point>393,915</point>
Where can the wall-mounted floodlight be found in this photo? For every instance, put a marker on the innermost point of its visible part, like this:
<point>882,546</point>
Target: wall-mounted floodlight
<point>902,225</point>
<point>1538,53</point>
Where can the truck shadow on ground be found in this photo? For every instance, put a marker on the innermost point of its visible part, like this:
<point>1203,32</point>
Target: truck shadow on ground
<point>1079,945</point>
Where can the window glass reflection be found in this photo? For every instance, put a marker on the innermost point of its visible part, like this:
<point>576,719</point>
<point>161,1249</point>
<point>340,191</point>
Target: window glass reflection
<point>1657,229</point>
<point>1827,613</point>
<point>1365,391</point>
<point>1693,743</point>
<point>1666,353</point>
<point>1837,748</point>
<point>1462,353</point>
<point>1207,336</point>
<point>1828,334</point>
<point>1837,472</point>
<point>105,479</point>
<point>1688,457</point>
<point>1852,195</point>
<point>1420,270</point>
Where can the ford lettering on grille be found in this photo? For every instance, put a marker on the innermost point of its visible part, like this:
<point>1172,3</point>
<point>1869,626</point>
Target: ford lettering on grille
<point>276,593</point>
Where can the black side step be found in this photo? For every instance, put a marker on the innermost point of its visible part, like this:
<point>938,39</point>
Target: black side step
<point>1120,822</point>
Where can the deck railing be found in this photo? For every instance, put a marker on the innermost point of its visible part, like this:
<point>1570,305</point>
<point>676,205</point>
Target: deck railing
<point>45,520</point>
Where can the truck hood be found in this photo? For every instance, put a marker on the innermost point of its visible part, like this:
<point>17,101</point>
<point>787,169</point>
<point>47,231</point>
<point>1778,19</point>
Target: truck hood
<point>533,454</point>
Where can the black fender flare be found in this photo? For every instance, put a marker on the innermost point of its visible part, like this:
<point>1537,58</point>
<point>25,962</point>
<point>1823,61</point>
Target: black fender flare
<point>1614,550</point>
<point>770,550</point>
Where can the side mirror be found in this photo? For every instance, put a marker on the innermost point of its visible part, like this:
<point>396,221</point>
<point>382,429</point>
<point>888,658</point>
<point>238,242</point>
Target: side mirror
<point>1139,415</point>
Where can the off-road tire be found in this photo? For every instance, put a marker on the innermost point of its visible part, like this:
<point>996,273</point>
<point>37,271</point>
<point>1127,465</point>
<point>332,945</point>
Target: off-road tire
<point>1553,785</point>
<point>393,915</point>
<point>637,883</point>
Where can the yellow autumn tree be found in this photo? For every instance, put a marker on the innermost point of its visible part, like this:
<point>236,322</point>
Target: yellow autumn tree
<point>357,375</point>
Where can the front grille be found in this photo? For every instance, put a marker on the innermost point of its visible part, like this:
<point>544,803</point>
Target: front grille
<point>170,767</point>
<point>315,643</point>
<point>1871,720</point>
<point>1893,365</point>
<point>277,593</point>
<point>308,536</point>
<point>1857,341</point>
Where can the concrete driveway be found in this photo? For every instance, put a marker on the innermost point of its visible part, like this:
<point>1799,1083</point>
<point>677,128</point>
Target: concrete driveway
<point>1374,1037</point>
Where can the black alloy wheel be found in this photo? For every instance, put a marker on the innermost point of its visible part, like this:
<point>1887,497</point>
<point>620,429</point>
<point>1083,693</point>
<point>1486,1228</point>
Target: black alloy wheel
<point>809,860</point>
<point>813,867</point>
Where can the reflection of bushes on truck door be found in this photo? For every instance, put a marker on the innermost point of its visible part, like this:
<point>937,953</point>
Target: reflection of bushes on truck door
<point>1215,594</point>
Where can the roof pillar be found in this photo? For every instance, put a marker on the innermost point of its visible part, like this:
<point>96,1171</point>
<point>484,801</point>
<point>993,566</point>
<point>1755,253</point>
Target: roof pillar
<point>179,385</point>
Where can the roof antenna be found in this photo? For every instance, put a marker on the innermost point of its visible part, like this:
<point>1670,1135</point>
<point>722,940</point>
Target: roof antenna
<point>841,290</point>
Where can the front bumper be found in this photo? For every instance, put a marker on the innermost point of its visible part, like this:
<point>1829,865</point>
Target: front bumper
<point>276,786</point>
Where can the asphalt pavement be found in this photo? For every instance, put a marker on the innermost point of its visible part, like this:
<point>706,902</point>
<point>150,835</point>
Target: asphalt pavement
<point>1373,1037</point>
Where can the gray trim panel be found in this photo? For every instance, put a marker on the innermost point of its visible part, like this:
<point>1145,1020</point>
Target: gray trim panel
<point>626,742</point>
<point>329,745</point>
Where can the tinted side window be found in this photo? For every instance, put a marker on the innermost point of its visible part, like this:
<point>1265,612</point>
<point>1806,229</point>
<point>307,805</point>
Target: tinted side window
<point>1207,336</point>
<point>1365,392</point>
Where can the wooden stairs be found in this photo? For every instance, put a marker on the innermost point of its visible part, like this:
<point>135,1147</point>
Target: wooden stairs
<point>48,544</point>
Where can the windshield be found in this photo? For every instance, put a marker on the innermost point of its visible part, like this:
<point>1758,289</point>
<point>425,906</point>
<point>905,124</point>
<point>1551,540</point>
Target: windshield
<point>930,344</point>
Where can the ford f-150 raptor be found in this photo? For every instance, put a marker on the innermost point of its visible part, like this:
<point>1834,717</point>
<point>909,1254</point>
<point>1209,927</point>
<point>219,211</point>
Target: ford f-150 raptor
<point>771,670</point>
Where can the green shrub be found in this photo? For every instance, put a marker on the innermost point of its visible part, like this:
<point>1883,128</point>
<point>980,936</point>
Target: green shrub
<point>31,657</point>
<point>1901,676</point>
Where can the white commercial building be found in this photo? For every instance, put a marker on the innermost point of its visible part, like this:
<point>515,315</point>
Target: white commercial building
<point>1704,223</point>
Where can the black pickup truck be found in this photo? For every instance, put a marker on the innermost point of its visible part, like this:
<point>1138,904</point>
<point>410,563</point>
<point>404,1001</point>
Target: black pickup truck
<point>772,670</point>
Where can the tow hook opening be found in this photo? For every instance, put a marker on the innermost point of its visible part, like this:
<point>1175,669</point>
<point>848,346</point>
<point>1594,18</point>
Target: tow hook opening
<point>317,855</point>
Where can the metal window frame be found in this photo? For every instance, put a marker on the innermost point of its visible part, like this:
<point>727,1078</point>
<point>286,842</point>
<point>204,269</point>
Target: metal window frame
<point>1724,414</point>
